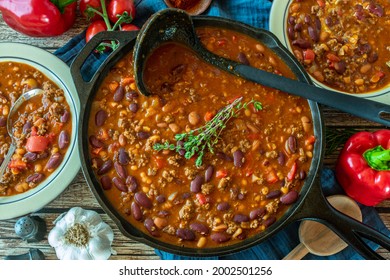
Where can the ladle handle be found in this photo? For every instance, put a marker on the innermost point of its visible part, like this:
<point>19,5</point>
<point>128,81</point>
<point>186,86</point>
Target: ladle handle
<point>361,107</point>
<point>297,253</point>
<point>7,158</point>
<point>315,207</point>
<point>364,108</point>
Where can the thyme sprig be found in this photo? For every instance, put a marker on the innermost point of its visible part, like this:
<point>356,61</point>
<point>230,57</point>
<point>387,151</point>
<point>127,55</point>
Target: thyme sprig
<point>198,141</point>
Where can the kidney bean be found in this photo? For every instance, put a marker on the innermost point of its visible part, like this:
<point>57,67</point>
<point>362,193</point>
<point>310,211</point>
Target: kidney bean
<point>161,198</point>
<point>289,197</point>
<point>291,20</point>
<point>201,228</point>
<point>123,156</point>
<point>27,127</point>
<point>302,43</point>
<point>302,175</point>
<point>119,93</point>
<point>106,183</point>
<point>223,206</point>
<point>100,117</point>
<point>54,161</point>
<point>120,170</point>
<point>298,27</point>
<point>313,33</point>
<point>63,139</point>
<point>3,121</point>
<point>96,143</point>
<point>340,66</point>
<point>186,195</point>
<point>242,58</point>
<point>196,184</point>
<point>269,221</point>
<point>240,218</point>
<point>65,116</point>
<point>182,152</point>
<point>372,57</point>
<point>120,184</point>
<point>307,19</point>
<point>151,227</point>
<point>238,157</point>
<point>376,9</point>
<point>131,95</point>
<point>273,194</point>
<point>292,144</point>
<point>136,211</point>
<point>281,159</point>
<point>133,107</point>
<point>329,21</point>
<point>106,166</point>
<point>257,213</point>
<point>44,154</point>
<point>131,183</point>
<point>35,178</point>
<point>220,237</point>
<point>209,173</point>
<point>163,213</point>
<point>142,199</point>
<point>30,156</point>
<point>143,135</point>
<point>317,22</point>
<point>291,32</point>
<point>185,234</point>
<point>223,156</point>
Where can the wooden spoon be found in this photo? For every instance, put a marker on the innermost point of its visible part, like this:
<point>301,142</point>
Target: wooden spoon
<point>318,239</point>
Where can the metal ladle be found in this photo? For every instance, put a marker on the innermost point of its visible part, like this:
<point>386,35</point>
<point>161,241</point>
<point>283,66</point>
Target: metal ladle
<point>24,97</point>
<point>173,25</point>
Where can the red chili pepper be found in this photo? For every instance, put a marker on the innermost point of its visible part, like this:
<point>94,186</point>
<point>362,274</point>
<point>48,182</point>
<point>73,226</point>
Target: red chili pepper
<point>363,167</point>
<point>39,18</point>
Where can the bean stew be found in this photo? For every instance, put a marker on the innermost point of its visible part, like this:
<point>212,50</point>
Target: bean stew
<point>42,127</point>
<point>342,44</point>
<point>209,159</point>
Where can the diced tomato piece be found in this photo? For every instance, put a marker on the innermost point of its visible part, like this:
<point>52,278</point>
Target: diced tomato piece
<point>222,173</point>
<point>310,140</point>
<point>271,177</point>
<point>201,198</point>
<point>292,172</point>
<point>160,162</point>
<point>321,3</point>
<point>34,131</point>
<point>309,56</point>
<point>17,164</point>
<point>37,143</point>
<point>208,116</point>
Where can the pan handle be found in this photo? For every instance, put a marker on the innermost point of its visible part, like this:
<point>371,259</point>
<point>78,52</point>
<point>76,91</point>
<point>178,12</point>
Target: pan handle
<point>84,87</point>
<point>316,207</point>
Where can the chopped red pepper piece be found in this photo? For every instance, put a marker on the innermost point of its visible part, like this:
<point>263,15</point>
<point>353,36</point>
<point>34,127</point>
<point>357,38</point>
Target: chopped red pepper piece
<point>292,172</point>
<point>222,173</point>
<point>201,198</point>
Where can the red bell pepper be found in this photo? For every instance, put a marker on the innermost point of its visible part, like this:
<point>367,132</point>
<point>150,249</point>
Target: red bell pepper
<point>39,18</point>
<point>363,167</point>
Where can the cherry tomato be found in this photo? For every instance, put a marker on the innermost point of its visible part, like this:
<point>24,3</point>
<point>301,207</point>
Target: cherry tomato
<point>96,4</point>
<point>94,28</point>
<point>129,27</point>
<point>118,7</point>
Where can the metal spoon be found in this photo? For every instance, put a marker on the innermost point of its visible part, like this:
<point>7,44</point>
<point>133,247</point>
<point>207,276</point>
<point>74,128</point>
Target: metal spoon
<point>319,239</point>
<point>24,97</point>
<point>173,25</point>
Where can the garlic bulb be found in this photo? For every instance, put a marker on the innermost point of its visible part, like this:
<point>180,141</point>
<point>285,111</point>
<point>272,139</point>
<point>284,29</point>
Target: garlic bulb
<point>81,234</point>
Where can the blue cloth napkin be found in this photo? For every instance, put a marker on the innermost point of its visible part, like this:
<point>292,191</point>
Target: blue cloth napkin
<point>255,13</point>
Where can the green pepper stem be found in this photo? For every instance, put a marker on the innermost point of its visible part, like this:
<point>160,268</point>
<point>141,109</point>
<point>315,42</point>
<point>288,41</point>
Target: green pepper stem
<point>378,158</point>
<point>61,4</point>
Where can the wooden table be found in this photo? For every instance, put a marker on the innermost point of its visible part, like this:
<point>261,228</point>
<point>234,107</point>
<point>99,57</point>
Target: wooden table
<point>79,194</point>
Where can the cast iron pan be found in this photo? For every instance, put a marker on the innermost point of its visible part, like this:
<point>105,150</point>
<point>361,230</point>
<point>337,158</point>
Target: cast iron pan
<point>311,203</point>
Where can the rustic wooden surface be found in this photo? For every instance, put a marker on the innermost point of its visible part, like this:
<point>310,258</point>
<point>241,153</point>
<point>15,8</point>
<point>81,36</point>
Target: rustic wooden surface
<point>78,193</point>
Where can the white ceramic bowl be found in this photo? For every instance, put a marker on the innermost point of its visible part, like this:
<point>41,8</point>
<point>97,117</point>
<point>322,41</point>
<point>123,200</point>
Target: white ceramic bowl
<point>278,23</point>
<point>57,71</point>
